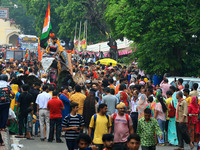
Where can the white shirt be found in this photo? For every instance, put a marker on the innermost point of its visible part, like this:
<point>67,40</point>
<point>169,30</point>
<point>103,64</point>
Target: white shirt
<point>42,100</point>
<point>134,105</point>
<point>3,84</point>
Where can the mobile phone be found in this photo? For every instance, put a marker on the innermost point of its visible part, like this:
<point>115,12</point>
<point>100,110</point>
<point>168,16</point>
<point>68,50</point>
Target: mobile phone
<point>175,79</point>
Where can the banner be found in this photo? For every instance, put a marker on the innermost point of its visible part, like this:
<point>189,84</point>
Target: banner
<point>46,62</point>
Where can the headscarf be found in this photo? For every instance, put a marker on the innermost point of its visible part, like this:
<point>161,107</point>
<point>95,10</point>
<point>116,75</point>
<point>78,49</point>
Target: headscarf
<point>193,109</point>
<point>142,103</point>
<point>158,92</point>
<point>125,98</point>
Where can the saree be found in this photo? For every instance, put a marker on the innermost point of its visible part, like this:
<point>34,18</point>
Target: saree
<point>141,106</point>
<point>193,121</point>
<point>172,134</point>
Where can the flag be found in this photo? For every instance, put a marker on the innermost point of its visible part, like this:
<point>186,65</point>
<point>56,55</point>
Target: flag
<point>39,52</point>
<point>75,42</point>
<point>46,29</point>
<point>83,44</point>
<point>26,54</point>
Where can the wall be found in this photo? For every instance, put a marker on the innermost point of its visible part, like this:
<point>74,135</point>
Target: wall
<point>6,31</point>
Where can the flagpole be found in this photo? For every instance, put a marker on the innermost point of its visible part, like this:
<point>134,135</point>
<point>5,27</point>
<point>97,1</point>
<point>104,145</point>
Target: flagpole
<point>79,37</point>
<point>86,35</point>
<point>76,27</point>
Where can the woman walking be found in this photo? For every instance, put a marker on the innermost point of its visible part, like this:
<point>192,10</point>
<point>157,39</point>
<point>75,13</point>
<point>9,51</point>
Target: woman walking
<point>160,115</point>
<point>64,98</point>
<point>89,108</point>
<point>193,121</point>
<point>141,106</point>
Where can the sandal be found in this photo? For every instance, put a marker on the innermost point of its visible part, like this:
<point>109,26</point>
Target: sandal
<point>2,144</point>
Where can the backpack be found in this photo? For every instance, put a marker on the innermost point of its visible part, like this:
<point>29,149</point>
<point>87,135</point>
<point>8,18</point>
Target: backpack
<point>115,115</point>
<point>95,118</point>
<point>5,95</point>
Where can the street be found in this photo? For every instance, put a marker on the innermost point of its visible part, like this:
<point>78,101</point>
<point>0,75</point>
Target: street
<point>37,144</point>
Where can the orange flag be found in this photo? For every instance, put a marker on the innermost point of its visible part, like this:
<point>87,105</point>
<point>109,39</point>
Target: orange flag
<point>39,52</point>
<point>26,54</point>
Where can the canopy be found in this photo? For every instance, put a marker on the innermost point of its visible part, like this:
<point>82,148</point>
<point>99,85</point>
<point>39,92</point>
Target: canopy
<point>105,48</point>
<point>107,61</point>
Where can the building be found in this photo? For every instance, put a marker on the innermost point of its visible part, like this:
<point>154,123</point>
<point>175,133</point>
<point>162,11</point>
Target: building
<point>8,32</point>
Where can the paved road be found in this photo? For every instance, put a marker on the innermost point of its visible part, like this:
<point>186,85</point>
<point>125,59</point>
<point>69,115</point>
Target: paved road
<point>38,145</point>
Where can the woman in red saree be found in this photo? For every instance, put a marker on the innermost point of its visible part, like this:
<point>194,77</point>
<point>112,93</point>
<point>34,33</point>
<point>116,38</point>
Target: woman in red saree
<point>193,120</point>
<point>124,98</point>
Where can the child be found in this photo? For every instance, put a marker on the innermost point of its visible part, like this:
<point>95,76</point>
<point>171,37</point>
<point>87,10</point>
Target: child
<point>108,141</point>
<point>83,142</point>
<point>72,124</point>
<point>29,124</point>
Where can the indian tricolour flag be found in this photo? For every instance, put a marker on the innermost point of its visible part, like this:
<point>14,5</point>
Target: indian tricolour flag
<point>46,29</point>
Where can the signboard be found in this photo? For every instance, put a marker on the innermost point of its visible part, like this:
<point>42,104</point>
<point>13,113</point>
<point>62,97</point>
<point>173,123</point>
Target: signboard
<point>4,13</point>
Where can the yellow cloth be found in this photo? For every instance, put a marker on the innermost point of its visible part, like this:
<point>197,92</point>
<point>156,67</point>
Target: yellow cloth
<point>51,92</point>
<point>145,80</point>
<point>14,88</point>
<point>78,98</point>
<point>59,46</point>
<point>101,127</point>
<point>168,101</point>
<point>112,86</point>
<point>188,99</point>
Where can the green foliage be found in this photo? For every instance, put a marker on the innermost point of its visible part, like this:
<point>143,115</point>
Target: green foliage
<point>18,14</point>
<point>163,32</point>
<point>65,14</point>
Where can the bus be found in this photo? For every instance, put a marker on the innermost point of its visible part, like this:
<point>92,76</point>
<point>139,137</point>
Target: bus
<point>29,42</point>
<point>16,54</point>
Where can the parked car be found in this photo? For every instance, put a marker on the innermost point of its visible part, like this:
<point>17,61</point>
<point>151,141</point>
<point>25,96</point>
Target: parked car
<point>186,80</point>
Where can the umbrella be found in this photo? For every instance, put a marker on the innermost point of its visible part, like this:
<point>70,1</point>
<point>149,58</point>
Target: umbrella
<point>107,61</point>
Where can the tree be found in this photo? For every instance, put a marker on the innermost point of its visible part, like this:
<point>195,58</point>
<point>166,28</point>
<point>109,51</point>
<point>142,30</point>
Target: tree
<point>163,33</point>
<point>65,14</point>
<point>18,14</point>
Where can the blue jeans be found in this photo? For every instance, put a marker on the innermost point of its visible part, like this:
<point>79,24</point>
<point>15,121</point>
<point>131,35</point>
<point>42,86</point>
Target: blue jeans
<point>71,144</point>
<point>162,127</point>
<point>134,117</point>
<point>37,124</point>
<point>4,110</point>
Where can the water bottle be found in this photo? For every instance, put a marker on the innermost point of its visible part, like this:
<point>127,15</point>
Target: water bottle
<point>198,146</point>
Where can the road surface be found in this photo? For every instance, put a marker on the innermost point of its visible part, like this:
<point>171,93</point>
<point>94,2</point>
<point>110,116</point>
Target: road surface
<point>38,145</point>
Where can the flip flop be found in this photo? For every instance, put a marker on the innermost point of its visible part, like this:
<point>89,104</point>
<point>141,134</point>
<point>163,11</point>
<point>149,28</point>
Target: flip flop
<point>30,138</point>
<point>18,136</point>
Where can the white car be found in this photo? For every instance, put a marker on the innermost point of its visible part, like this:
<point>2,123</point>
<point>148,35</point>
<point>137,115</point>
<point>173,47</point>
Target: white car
<point>186,80</point>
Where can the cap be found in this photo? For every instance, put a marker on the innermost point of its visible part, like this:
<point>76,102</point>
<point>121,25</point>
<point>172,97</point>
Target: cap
<point>21,69</point>
<point>121,105</point>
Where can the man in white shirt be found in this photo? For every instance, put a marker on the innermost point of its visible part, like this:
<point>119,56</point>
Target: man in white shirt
<point>132,108</point>
<point>43,112</point>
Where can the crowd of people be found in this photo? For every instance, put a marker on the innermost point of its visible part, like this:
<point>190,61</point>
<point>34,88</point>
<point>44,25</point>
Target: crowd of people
<point>115,107</point>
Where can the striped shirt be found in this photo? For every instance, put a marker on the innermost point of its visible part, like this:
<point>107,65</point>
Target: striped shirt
<point>72,121</point>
